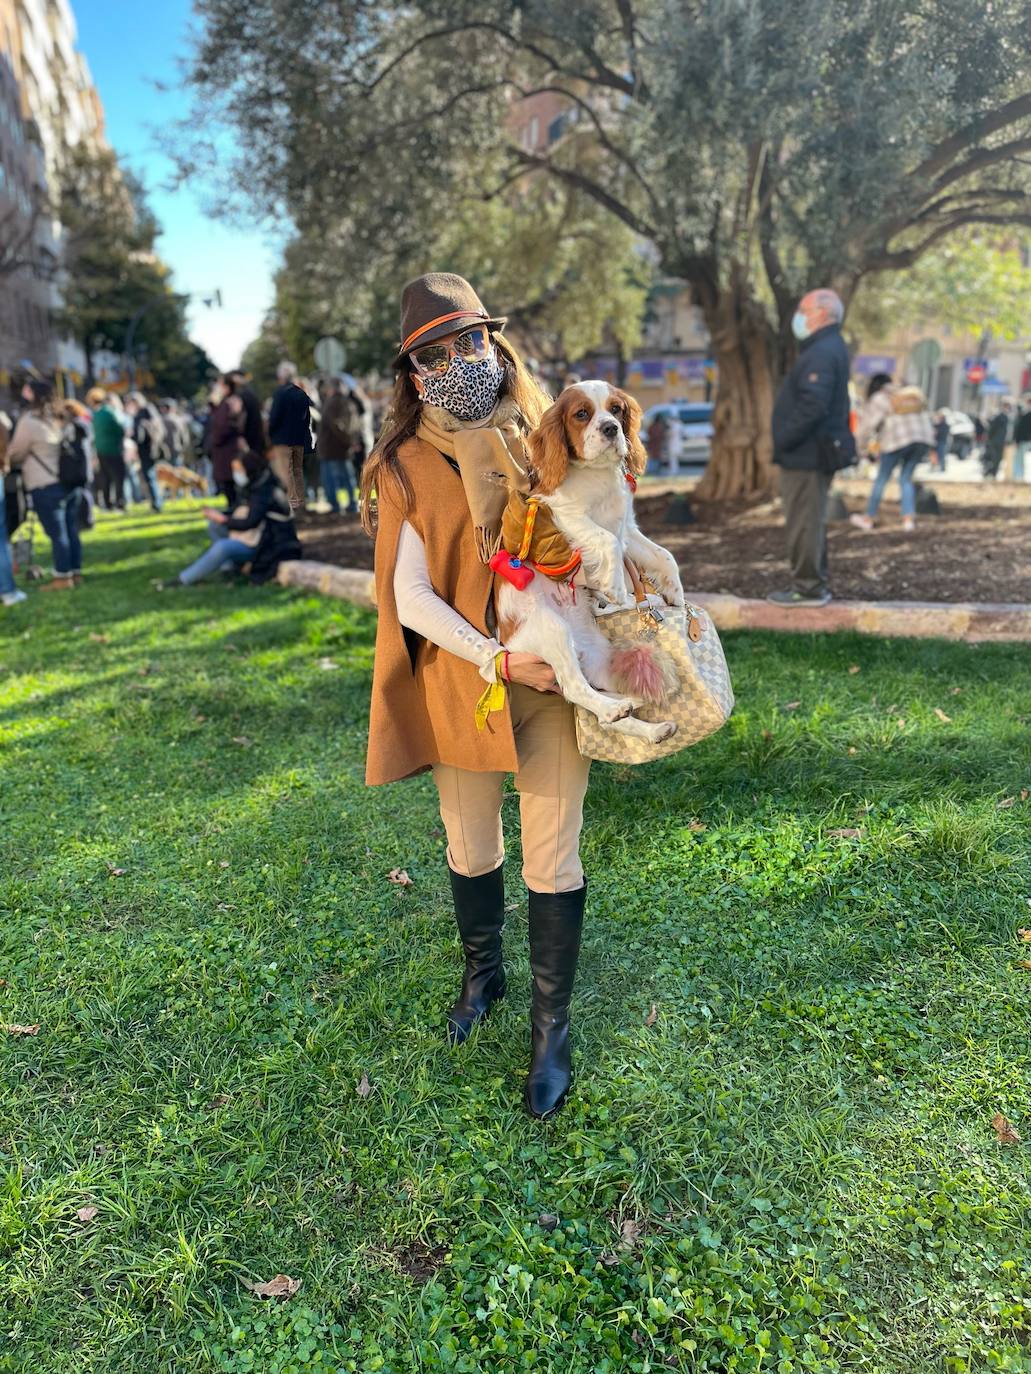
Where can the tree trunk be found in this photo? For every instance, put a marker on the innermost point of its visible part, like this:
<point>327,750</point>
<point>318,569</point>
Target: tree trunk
<point>741,462</point>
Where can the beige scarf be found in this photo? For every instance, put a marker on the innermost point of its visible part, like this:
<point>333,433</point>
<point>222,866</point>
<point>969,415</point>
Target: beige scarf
<point>490,459</point>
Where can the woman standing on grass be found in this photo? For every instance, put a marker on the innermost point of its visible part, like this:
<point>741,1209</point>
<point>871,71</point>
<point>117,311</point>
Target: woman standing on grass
<point>462,402</point>
<point>36,448</point>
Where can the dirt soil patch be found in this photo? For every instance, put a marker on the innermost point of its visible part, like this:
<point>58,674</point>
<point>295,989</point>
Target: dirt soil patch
<point>977,549</point>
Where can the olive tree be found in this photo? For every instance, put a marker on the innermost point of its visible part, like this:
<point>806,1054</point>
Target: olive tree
<point>761,148</point>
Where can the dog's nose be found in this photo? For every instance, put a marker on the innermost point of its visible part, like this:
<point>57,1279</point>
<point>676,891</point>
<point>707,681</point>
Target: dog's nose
<point>610,429</point>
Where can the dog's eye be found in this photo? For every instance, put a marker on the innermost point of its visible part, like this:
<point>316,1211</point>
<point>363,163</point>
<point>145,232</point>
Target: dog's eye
<point>616,408</point>
<point>582,414</point>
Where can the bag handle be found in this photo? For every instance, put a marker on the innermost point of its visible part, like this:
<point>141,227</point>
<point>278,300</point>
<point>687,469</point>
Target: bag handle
<point>645,609</point>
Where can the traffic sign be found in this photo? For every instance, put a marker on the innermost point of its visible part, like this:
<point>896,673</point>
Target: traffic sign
<point>330,355</point>
<point>976,372</point>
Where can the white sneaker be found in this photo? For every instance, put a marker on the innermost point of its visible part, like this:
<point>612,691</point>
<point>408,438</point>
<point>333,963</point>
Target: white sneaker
<point>861,522</point>
<point>12,598</point>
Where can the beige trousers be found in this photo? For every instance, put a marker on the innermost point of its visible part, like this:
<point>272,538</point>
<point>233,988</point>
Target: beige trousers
<point>288,464</point>
<point>551,782</point>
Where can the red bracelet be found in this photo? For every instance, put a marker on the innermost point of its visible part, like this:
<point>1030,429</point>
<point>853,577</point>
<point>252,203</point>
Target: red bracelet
<point>504,668</point>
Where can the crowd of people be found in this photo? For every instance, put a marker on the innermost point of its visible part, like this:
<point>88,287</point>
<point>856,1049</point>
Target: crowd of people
<point>61,460</point>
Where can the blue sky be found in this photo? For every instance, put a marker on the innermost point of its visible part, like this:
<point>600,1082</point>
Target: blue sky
<point>129,46</point>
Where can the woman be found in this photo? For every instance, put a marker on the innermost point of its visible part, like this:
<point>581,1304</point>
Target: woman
<point>228,419</point>
<point>461,404</point>
<point>339,434</point>
<point>36,448</point>
<point>9,593</point>
<point>260,532</point>
<point>898,420</point>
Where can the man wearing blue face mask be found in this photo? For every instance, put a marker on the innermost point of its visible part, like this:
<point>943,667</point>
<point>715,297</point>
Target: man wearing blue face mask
<point>811,441</point>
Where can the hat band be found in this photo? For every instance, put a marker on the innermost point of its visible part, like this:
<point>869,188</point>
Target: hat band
<point>442,319</point>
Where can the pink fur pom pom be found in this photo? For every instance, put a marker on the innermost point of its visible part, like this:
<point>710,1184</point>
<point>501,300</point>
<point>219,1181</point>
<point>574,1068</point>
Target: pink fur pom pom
<point>642,671</point>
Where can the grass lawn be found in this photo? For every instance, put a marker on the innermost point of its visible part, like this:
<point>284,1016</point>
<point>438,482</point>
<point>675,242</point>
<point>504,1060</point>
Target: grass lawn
<point>790,1166</point>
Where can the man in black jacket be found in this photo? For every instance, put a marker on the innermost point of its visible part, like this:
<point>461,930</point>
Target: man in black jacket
<point>811,441</point>
<point>289,429</point>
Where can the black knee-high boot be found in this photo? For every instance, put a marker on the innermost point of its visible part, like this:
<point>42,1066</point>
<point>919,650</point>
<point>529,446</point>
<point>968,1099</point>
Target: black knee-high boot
<point>480,914</point>
<point>556,920</point>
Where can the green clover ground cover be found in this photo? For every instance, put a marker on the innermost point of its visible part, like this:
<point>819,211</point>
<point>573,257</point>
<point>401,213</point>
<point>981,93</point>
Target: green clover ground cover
<point>792,1167</point>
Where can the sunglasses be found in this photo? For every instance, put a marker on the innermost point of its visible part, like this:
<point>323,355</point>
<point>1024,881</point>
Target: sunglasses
<point>433,360</point>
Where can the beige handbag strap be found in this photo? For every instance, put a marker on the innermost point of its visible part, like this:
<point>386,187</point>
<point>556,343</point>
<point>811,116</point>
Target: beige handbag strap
<point>645,609</point>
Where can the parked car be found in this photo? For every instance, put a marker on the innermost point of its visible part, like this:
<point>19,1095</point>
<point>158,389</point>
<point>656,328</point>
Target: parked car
<point>691,438</point>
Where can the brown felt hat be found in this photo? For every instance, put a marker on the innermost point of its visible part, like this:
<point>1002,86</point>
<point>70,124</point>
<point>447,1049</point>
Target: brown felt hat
<point>435,305</point>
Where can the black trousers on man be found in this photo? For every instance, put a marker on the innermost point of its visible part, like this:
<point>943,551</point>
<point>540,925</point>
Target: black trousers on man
<point>804,498</point>
<point>110,482</point>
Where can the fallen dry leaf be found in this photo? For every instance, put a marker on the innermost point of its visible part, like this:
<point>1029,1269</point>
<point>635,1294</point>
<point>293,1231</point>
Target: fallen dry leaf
<point>364,1087</point>
<point>327,665</point>
<point>697,826</point>
<point>1005,803</point>
<point>956,691</point>
<point>852,749</point>
<point>946,720</point>
<point>791,706</point>
<point>1024,794</point>
<point>511,906</point>
<point>87,1213</point>
<point>223,863</point>
<point>1024,934</point>
<point>400,877</point>
<point>116,872</point>
<point>282,1286</point>
<point>100,639</point>
<point>901,723</point>
<point>609,1258</point>
<point>652,1016</point>
<point>630,1233</point>
<point>13,1029</point>
<point>1006,1133</point>
<point>4,983</point>
<point>845,832</point>
<point>219,1100</point>
<point>242,741</point>
<point>1024,963</point>
<point>767,734</point>
<point>854,668</point>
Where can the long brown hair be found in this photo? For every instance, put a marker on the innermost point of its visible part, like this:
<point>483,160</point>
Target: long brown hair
<point>402,420</point>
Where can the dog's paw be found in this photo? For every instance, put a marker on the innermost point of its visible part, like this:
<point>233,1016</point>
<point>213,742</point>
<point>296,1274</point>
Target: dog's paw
<point>664,730</point>
<point>618,708</point>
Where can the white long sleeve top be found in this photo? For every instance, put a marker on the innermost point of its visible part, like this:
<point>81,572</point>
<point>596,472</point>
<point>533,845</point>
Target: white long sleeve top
<point>421,610</point>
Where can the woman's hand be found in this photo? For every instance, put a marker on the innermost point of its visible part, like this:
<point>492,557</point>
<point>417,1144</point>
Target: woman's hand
<point>219,516</point>
<point>532,671</point>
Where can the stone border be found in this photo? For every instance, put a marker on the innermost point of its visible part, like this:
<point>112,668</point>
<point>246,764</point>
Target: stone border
<point>972,623</point>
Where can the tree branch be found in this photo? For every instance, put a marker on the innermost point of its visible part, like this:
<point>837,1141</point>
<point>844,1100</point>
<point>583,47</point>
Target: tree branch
<point>974,132</point>
<point>591,188</point>
<point>906,257</point>
<point>967,200</point>
<point>603,138</point>
<point>604,75</point>
<point>984,157</point>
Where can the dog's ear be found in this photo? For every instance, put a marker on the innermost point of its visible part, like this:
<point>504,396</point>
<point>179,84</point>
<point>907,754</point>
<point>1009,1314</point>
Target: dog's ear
<point>637,458</point>
<point>549,449</point>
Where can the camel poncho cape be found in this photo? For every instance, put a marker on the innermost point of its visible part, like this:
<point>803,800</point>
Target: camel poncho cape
<point>423,698</point>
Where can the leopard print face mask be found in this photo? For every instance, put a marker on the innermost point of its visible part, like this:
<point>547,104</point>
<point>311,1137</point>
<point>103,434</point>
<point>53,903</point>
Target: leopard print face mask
<point>469,391</point>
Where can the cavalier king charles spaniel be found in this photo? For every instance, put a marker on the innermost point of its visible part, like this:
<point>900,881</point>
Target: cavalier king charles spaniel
<point>586,455</point>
